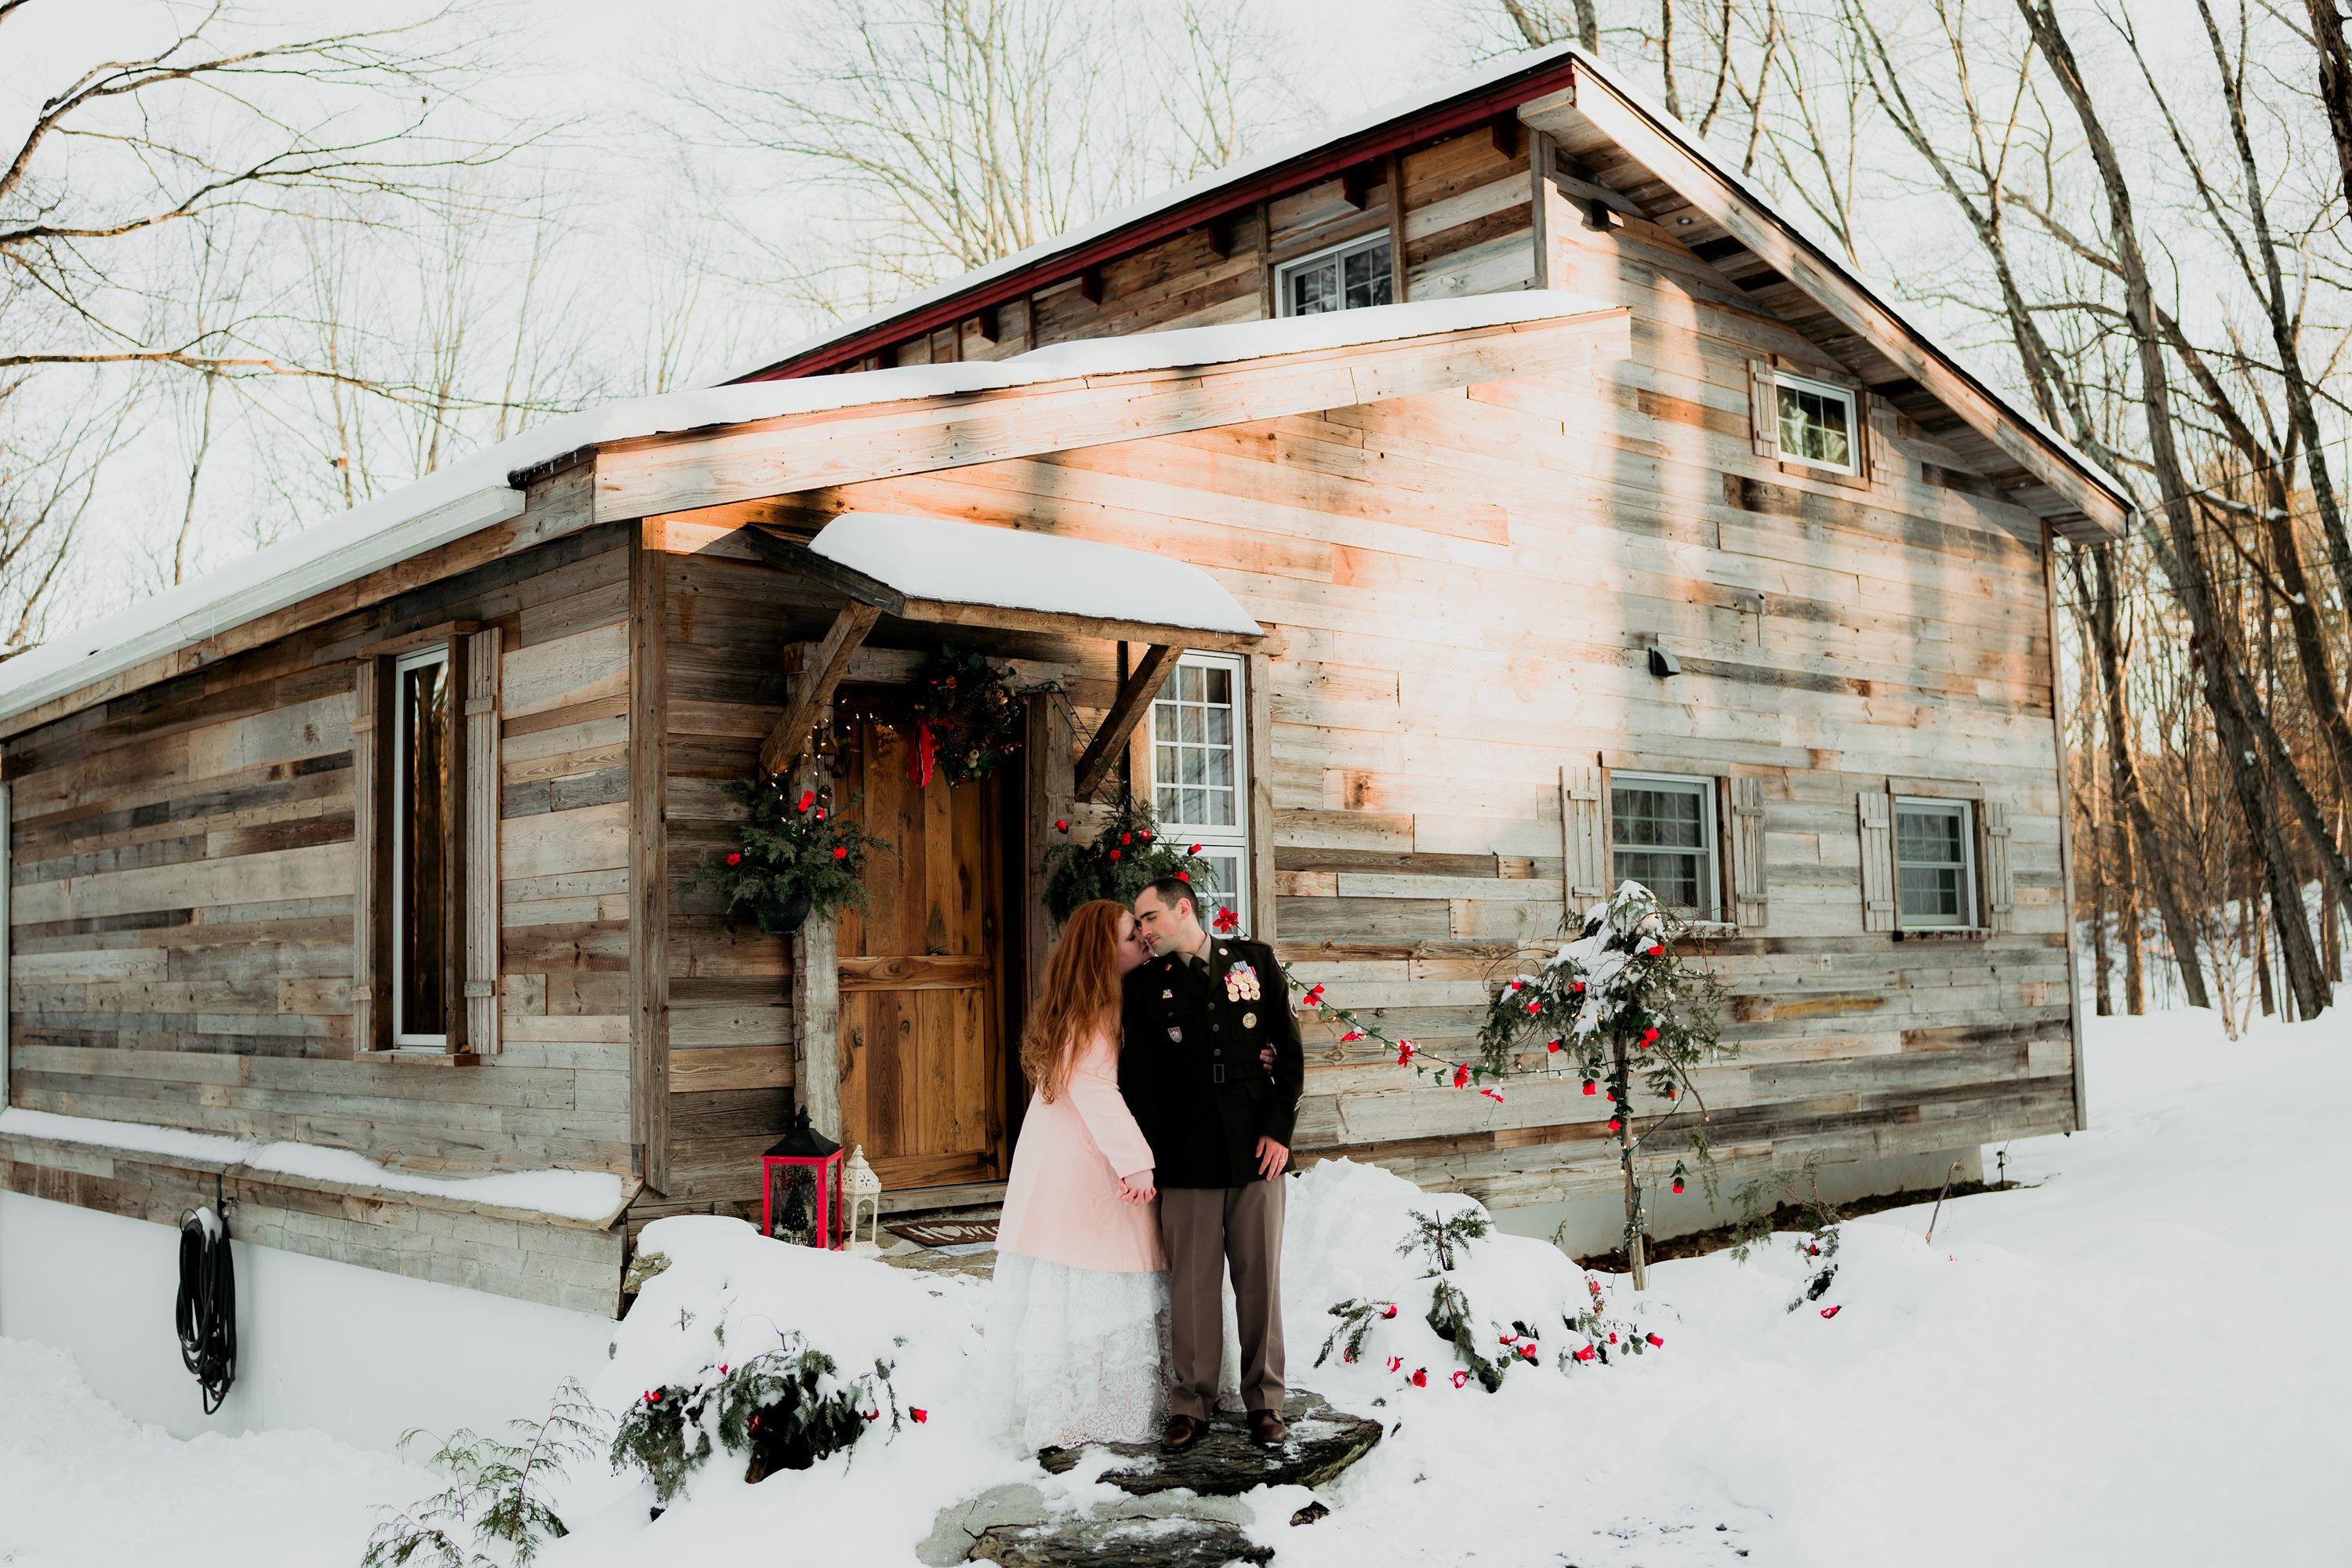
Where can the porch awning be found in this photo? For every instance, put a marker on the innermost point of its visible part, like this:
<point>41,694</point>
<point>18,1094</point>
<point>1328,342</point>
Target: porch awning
<point>968,574</point>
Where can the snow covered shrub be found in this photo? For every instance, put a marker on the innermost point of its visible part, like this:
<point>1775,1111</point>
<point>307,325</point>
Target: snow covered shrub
<point>1815,1236</point>
<point>783,1409</point>
<point>663,1436</point>
<point>1621,1007</point>
<point>497,1492</point>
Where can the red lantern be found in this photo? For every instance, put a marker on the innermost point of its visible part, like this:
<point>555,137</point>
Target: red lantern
<point>800,1198</point>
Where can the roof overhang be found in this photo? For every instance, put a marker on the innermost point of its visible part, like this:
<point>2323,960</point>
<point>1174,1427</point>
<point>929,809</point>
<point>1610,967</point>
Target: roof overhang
<point>973,575</point>
<point>2091,507</point>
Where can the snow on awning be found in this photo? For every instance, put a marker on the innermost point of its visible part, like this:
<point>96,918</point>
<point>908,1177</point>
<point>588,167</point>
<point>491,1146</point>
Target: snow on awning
<point>969,574</point>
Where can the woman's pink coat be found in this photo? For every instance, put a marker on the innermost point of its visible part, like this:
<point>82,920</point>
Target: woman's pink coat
<point>1063,1204</point>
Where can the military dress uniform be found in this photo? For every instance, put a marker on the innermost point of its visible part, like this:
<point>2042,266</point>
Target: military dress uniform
<point>1196,1028</point>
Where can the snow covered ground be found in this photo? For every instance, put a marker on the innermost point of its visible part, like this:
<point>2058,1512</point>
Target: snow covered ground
<point>2136,1361</point>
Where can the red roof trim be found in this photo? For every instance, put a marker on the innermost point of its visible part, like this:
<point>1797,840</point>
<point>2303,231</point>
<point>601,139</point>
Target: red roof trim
<point>1405,131</point>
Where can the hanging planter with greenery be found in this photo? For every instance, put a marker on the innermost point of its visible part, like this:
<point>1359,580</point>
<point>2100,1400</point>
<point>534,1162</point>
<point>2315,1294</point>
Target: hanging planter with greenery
<point>967,718</point>
<point>1127,853</point>
<point>794,859</point>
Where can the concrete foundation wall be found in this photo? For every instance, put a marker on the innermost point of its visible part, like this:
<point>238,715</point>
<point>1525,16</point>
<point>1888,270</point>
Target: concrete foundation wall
<point>1587,1225</point>
<point>356,1353</point>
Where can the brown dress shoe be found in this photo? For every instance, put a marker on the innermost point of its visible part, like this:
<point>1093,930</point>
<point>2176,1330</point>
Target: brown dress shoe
<point>1182,1433</point>
<point>1266,1430</point>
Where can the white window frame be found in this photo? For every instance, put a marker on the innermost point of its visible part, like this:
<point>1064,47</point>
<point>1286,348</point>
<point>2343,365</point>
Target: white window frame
<point>1345,247</point>
<point>1710,839</point>
<point>1845,394</point>
<point>402,1038</point>
<point>1966,919</point>
<point>1234,839</point>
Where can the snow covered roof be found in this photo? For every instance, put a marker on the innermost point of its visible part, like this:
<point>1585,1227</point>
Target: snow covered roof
<point>480,491</point>
<point>1009,568</point>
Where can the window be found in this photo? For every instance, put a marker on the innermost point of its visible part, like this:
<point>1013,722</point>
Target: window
<point>1351,275</point>
<point>420,849</point>
<point>1661,835</point>
<point>1934,862</point>
<point>1816,423</point>
<point>1199,766</point>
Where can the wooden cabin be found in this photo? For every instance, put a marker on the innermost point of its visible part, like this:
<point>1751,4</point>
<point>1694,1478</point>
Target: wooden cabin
<point>1578,517</point>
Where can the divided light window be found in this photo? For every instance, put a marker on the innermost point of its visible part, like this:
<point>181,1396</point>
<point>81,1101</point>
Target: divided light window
<point>1200,772</point>
<point>1934,862</point>
<point>1816,423</point>
<point>421,846</point>
<point>1661,835</point>
<point>1345,278</point>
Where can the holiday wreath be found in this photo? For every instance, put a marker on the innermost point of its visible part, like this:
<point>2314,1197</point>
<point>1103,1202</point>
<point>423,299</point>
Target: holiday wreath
<point>967,718</point>
<point>1120,859</point>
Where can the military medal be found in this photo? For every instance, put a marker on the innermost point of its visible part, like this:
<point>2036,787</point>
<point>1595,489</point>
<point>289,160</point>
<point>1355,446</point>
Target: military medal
<point>1241,983</point>
<point>1249,1020</point>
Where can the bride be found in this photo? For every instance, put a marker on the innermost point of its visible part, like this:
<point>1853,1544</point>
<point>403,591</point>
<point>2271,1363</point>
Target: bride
<point>1079,1305</point>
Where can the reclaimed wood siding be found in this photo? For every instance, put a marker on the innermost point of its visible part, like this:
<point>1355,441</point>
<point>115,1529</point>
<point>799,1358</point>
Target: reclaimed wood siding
<point>1461,590</point>
<point>1466,229</point>
<point>183,873</point>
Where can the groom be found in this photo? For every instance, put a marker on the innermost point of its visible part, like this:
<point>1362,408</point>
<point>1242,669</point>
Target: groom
<point>1211,1070</point>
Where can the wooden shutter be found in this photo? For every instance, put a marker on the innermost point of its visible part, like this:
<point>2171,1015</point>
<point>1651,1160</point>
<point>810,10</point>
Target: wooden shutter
<point>2000,884</point>
<point>7,876</point>
<point>1878,909</point>
<point>1584,828</point>
<point>1747,851</point>
<point>481,841</point>
<point>1763,408</point>
<point>370,1012</point>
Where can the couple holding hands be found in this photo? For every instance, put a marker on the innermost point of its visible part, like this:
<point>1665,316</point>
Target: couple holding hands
<point>1164,1068</point>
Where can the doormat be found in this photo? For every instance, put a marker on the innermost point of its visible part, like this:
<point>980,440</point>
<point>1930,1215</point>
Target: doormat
<point>968,1234</point>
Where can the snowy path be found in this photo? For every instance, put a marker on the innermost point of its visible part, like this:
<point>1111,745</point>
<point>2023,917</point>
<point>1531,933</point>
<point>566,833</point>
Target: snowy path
<point>2135,1362</point>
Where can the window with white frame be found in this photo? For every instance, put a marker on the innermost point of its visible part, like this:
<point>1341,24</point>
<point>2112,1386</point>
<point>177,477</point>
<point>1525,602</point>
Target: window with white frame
<point>1200,772</point>
<point>1934,862</point>
<point>1661,835</point>
<point>1345,278</point>
<point>1817,424</point>
<point>421,846</point>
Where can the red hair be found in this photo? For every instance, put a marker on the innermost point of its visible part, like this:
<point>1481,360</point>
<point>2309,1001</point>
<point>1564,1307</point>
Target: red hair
<point>1080,996</point>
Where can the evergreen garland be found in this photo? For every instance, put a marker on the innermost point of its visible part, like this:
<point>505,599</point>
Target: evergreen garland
<point>783,1409</point>
<point>654,1437</point>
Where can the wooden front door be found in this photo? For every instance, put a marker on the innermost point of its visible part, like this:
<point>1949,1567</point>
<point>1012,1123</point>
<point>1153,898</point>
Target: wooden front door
<point>922,1064</point>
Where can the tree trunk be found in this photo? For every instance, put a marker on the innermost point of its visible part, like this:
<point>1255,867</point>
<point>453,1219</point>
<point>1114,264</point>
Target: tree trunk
<point>2107,649</point>
<point>1623,1081</point>
<point>2105,1005</point>
<point>2335,82</point>
<point>2194,583</point>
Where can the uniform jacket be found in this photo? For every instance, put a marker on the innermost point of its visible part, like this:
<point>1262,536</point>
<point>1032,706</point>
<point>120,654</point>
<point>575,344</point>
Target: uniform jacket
<point>1190,1067</point>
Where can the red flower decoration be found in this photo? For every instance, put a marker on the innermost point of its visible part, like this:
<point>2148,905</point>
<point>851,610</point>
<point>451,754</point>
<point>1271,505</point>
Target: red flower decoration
<point>1585,1354</point>
<point>1612,1336</point>
<point>1127,838</point>
<point>1351,1036</point>
<point>1461,1076</point>
<point>1227,921</point>
<point>1517,984</point>
<point>1314,998</point>
<point>735,859</point>
<point>1404,1053</point>
<point>1460,1378</point>
<point>1419,1378</point>
<point>1114,854</point>
<point>1589,1090</point>
<point>1614,1124</point>
<point>1396,1364</point>
<point>874,1415</point>
<point>722,1368</point>
<point>1552,1045</point>
<point>1195,849</point>
<point>1672,1093</point>
<point>1061,825</point>
<point>1536,1005</point>
<point>920,1416</point>
<point>1678,1183</point>
<point>1577,989</point>
<point>1650,1035</point>
<point>1653,1340</point>
<point>1389,1310</point>
<point>820,813</point>
<point>1832,1311</point>
<point>1657,951</point>
<point>1528,1351</point>
<point>808,798</point>
<point>1181,876</point>
<point>840,852</point>
<point>1139,833</point>
<point>1493,1094</point>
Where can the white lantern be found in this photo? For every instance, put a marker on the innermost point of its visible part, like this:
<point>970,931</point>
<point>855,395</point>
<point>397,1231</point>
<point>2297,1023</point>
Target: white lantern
<point>862,1189</point>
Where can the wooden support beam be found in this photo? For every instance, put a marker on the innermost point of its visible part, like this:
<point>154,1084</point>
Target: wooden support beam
<point>1090,286</point>
<point>1505,129</point>
<point>812,688</point>
<point>1357,186</point>
<point>1134,699</point>
<point>1220,232</point>
<point>988,326</point>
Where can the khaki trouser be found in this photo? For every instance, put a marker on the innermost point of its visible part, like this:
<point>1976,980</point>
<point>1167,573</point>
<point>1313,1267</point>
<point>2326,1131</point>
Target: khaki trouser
<point>1208,1229</point>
